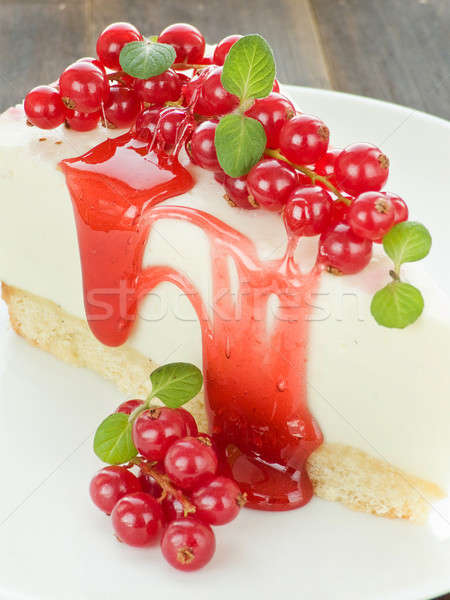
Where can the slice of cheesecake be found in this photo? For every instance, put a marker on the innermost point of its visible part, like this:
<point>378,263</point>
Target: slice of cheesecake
<point>379,395</point>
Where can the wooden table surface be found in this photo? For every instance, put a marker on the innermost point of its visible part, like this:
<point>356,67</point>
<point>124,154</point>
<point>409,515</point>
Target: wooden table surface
<point>396,50</point>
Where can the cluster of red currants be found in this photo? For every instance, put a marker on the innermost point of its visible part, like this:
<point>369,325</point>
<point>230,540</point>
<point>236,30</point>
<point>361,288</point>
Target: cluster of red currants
<point>178,494</point>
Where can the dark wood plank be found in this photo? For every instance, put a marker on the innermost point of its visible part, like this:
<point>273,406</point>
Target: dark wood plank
<point>395,50</point>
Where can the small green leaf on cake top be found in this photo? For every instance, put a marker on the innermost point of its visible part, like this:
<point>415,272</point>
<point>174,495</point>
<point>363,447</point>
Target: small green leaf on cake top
<point>113,442</point>
<point>240,143</point>
<point>249,68</point>
<point>407,242</point>
<point>176,383</point>
<point>397,305</point>
<point>146,59</point>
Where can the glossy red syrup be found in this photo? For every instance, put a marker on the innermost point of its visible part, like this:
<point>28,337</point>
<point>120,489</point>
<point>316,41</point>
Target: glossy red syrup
<point>254,358</point>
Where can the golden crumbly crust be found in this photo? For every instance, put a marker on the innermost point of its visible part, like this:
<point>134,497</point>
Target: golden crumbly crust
<point>338,472</point>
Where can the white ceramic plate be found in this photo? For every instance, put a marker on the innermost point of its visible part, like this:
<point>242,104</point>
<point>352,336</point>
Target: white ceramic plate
<point>55,545</point>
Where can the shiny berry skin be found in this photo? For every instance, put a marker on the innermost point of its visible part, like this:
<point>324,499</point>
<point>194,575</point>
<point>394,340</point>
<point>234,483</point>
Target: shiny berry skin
<point>110,484</point>
<point>215,98</point>
<point>137,519</point>
<point>372,215</point>
<point>237,192</point>
<point>271,182</point>
<point>189,422</point>
<point>218,502</point>
<point>189,462</point>
<point>339,212</point>
<point>187,40</point>
<point>150,486</point>
<point>122,107</point>
<point>325,165</point>
<point>172,509</point>
<point>155,430</point>
<point>83,87</point>
<point>160,89</point>
<point>304,139</point>
<point>112,40</point>
<point>146,122</point>
<point>82,121</point>
<point>272,112</point>
<point>361,168</point>
<point>128,406</point>
<point>93,61</point>
<point>343,251</point>
<point>201,147</point>
<point>400,207</point>
<point>44,107</point>
<point>223,47</point>
<point>173,124</point>
<point>308,211</point>
<point>188,544</point>
<point>219,176</point>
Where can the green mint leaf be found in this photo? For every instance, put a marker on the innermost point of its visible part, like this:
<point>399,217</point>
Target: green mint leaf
<point>176,383</point>
<point>397,305</point>
<point>407,242</point>
<point>240,143</point>
<point>249,69</point>
<point>113,442</point>
<point>146,59</point>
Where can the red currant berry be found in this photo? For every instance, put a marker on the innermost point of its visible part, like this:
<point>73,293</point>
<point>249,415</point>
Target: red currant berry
<point>112,40</point>
<point>304,139</point>
<point>361,168</point>
<point>122,107</point>
<point>237,192</point>
<point>93,61</point>
<point>342,251</point>
<point>339,212</point>
<point>220,176</point>
<point>173,125</point>
<point>271,182</point>
<point>155,430</point>
<point>272,112</point>
<point>128,406</point>
<point>218,502</point>
<point>400,207</point>
<point>44,108</point>
<point>150,486</point>
<point>325,165</point>
<point>110,485</point>
<point>223,47</point>
<point>172,509</point>
<point>146,123</point>
<point>201,146</point>
<point>372,215</point>
<point>189,421</point>
<point>188,544</point>
<point>308,211</point>
<point>160,89</point>
<point>137,519</point>
<point>82,121</point>
<point>189,462</point>
<point>215,98</point>
<point>83,87</point>
<point>187,40</point>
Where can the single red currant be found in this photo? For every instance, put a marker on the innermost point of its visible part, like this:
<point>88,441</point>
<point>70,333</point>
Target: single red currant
<point>308,211</point>
<point>83,87</point>
<point>155,430</point>
<point>272,112</point>
<point>218,502</point>
<point>304,139</point>
<point>44,107</point>
<point>237,192</point>
<point>146,123</point>
<point>223,47</point>
<point>137,519</point>
<point>110,484</point>
<point>128,406</point>
<point>174,124</point>
<point>215,98</point>
<point>122,107</point>
<point>187,40</point>
<point>372,215</point>
<point>188,544</point>
<point>112,40</point>
<point>361,168</point>
<point>82,121</point>
<point>161,88</point>
<point>342,251</point>
<point>400,207</point>
<point>201,146</point>
<point>189,421</point>
<point>189,462</point>
<point>271,182</point>
<point>325,166</point>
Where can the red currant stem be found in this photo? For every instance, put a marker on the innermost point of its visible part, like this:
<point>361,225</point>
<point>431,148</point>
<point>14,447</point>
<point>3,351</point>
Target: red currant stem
<point>139,409</point>
<point>395,273</point>
<point>168,489</point>
<point>117,76</point>
<point>188,66</point>
<point>313,176</point>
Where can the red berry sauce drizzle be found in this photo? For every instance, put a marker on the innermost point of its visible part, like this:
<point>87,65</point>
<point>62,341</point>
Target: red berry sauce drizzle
<point>255,374</point>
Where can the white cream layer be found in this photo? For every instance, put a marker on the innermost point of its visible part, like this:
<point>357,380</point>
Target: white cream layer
<point>384,391</point>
